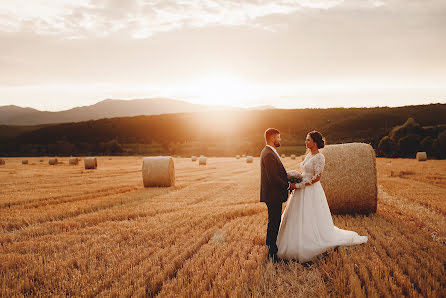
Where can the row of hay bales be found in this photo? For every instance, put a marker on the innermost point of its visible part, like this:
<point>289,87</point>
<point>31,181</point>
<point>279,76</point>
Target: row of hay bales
<point>202,160</point>
<point>349,178</point>
<point>249,159</point>
<point>89,162</point>
<point>293,156</point>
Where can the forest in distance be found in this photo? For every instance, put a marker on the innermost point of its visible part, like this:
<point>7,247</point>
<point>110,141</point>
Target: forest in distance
<point>219,133</point>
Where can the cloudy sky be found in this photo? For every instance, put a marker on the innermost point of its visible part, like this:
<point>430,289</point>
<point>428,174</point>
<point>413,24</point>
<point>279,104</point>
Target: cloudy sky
<point>287,53</point>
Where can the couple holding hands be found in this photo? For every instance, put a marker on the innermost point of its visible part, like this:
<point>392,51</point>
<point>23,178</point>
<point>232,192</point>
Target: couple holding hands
<point>305,229</point>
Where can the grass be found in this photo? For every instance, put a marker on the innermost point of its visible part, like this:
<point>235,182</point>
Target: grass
<point>65,230</point>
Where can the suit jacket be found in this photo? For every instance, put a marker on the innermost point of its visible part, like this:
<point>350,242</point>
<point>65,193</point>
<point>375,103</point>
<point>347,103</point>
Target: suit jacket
<point>273,178</point>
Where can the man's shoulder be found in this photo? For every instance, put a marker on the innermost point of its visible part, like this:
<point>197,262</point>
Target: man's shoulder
<point>268,153</point>
<point>266,150</point>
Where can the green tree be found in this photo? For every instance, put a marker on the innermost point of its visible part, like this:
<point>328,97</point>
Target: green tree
<point>386,147</point>
<point>409,145</point>
<point>409,127</point>
<point>439,145</point>
<point>427,145</point>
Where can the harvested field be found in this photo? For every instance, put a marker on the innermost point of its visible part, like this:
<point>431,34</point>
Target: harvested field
<point>69,231</point>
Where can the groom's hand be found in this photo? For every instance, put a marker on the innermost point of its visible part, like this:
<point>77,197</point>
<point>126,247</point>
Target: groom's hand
<point>292,186</point>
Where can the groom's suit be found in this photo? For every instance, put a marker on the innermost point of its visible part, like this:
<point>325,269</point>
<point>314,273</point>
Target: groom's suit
<point>273,192</point>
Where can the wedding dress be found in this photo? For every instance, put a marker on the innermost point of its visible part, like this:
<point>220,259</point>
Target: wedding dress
<point>307,229</point>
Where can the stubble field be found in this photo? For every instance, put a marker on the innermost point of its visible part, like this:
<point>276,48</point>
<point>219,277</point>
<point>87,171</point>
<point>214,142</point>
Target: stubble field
<point>65,230</point>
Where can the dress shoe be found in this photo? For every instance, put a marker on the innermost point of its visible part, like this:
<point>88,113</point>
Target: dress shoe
<point>275,259</point>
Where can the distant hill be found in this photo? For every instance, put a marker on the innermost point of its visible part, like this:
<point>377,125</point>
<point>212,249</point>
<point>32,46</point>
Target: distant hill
<point>109,108</point>
<point>215,133</point>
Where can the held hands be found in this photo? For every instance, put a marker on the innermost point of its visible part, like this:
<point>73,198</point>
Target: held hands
<point>299,185</point>
<point>302,184</point>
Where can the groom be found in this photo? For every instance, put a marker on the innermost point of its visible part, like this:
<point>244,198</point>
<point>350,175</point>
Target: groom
<point>274,187</point>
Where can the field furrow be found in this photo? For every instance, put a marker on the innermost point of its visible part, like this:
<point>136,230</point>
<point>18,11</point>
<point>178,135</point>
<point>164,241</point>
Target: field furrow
<point>66,231</point>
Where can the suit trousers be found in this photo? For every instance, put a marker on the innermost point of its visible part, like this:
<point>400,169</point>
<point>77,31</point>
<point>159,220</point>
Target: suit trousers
<point>274,218</point>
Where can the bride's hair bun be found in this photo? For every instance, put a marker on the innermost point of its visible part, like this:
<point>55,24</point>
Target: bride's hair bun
<point>317,138</point>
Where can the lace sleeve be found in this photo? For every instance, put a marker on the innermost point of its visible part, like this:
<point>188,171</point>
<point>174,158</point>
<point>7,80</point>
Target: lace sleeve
<point>318,166</point>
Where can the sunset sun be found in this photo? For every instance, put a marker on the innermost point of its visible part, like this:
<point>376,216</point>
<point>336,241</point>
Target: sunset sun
<point>220,88</point>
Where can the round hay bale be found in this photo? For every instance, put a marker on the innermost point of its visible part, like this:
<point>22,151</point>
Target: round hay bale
<point>283,155</point>
<point>52,161</point>
<point>2,161</point>
<point>237,156</point>
<point>244,155</point>
<point>349,178</point>
<point>194,158</point>
<point>24,162</point>
<point>73,161</point>
<point>41,160</point>
<point>202,161</point>
<point>158,171</point>
<point>91,163</point>
<point>249,159</point>
<point>421,156</point>
<point>293,156</point>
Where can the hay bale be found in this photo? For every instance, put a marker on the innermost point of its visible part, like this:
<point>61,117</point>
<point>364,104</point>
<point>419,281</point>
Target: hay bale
<point>202,161</point>
<point>158,171</point>
<point>24,162</point>
<point>249,159</point>
<point>283,155</point>
<point>293,156</point>
<point>421,156</point>
<point>91,163</point>
<point>41,160</point>
<point>194,158</point>
<point>237,156</point>
<point>244,155</point>
<point>73,161</point>
<point>52,161</point>
<point>349,178</point>
<point>2,161</point>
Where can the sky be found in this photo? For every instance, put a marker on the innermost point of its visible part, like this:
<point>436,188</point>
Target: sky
<point>55,55</point>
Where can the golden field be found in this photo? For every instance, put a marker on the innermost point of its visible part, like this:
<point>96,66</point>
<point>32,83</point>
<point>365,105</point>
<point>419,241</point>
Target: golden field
<point>65,231</point>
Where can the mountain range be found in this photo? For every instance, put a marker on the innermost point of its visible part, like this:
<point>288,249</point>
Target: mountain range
<point>109,108</point>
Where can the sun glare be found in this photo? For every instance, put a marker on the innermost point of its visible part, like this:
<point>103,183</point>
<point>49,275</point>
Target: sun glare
<point>220,89</point>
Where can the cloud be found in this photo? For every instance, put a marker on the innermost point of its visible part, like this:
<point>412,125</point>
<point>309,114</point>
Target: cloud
<point>140,19</point>
<point>160,44</point>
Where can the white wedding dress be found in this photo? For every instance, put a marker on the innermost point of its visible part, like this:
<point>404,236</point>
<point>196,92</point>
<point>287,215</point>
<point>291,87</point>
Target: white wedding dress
<point>307,228</point>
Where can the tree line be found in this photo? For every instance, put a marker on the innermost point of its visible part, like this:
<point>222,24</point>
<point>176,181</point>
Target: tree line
<point>224,133</point>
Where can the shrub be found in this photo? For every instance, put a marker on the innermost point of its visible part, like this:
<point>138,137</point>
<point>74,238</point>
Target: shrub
<point>426,145</point>
<point>409,127</point>
<point>386,147</point>
<point>409,145</point>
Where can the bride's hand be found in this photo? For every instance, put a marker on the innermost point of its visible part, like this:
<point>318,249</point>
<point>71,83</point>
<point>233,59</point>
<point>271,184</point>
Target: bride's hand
<point>300,185</point>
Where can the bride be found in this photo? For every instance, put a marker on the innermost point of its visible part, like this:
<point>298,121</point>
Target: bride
<point>307,229</point>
